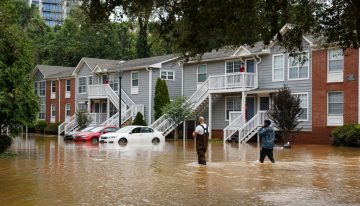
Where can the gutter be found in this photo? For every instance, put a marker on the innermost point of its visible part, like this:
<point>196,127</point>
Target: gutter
<point>59,98</point>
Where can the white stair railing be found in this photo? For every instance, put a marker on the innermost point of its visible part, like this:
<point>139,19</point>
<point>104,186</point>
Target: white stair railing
<point>166,125</point>
<point>61,127</point>
<point>233,127</point>
<point>251,127</point>
<point>125,116</point>
<point>70,126</point>
<point>111,121</point>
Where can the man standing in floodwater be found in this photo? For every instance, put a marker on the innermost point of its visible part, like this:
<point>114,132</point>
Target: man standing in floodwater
<point>267,135</point>
<point>201,135</point>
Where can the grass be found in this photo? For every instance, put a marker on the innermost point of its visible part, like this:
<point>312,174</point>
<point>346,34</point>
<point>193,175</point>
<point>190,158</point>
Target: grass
<point>8,155</point>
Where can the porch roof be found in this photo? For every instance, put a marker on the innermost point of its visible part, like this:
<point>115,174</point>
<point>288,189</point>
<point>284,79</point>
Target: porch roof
<point>262,91</point>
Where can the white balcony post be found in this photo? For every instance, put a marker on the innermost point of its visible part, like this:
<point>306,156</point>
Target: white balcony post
<point>210,116</point>
<point>243,106</point>
<point>107,108</point>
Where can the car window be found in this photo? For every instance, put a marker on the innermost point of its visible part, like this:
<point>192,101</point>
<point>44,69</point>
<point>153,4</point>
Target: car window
<point>136,130</point>
<point>146,130</point>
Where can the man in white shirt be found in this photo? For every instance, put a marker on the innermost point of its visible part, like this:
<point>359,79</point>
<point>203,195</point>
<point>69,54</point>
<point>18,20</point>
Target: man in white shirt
<point>201,135</point>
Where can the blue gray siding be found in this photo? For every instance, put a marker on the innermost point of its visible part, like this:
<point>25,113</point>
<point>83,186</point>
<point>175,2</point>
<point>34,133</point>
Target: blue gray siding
<point>84,71</point>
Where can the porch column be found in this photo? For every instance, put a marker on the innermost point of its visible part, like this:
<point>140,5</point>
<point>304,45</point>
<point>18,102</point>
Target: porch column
<point>210,115</point>
<point>243,106</point>
<point>107,108</point>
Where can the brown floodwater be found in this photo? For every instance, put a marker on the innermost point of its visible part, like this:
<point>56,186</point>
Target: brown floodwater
<point>52,172</point>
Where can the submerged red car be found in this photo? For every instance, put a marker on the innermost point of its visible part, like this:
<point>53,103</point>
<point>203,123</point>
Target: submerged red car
<point>94,134</point>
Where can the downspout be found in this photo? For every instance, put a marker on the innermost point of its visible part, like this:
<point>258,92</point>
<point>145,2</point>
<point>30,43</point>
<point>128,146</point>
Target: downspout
<point>150,94</point>
<point>182,78</point>
<point>257,69</point>
<point>59,97</point>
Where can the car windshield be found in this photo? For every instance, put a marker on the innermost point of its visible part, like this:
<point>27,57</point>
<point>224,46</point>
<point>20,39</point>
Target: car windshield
<point>87,129</point>
<point>125,129</point>
<point>97,129</point>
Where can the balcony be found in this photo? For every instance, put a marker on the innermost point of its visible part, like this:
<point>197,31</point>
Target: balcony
<point>234,82</point>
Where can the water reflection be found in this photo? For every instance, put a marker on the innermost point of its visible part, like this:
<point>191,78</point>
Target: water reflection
<point>52,172</point>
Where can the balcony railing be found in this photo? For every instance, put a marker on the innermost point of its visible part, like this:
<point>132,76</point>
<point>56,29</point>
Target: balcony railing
<point>98,118</point>
<point>242,81</point>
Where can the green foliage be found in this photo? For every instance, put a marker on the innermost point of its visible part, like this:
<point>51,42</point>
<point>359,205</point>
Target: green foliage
<point>40,125</point>
<point>347,135</point>
<point>52,128</point>
<point>284,113</point>
<point>5,143</point>
<point>18,103</point>
<point>139,120</point>
<point>8,155</point>
<point>161,98</point>
<point>83,119</point>
<point>178,110</point>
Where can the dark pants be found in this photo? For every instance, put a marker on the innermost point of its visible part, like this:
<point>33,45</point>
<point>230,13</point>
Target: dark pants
<point>201,147</point>
<point>266,152</point>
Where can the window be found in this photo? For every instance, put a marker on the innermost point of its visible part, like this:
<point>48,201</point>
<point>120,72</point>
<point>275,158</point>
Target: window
<point>304,105</point>
<point>233,66</point>
<point>201,73</point>
<point>53,111</point>
<point>135,79</point>
<point>42,88</point>
<point>114,81</point>
<point>82,85</point>
<point>167,74</point>
<point>146,130</point>
<point>299,67</point>
<point>336,61</point>
<point>36,88</point>
<point>42,111</point>
<point>278,67</point>
<point>250,65</point>
<point>232,103</point>
<point>335,103</point>
<point>90,80</point>
<point>136,130</point>
<point>82,106</point>
<point>68,85</point>
<point>67,110</point>
<point>53,86</point>
<point>264,103</point>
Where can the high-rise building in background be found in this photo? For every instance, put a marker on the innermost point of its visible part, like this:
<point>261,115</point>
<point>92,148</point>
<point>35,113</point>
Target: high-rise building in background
<point>54,11</point>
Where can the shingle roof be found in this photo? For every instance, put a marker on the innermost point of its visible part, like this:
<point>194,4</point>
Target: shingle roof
<point>92,62</point>
<point>48,70</point>
<point>65,73</point>
<point>142,63</point>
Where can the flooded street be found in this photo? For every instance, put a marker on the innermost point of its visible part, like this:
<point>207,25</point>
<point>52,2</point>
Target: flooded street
<point>49,172</point>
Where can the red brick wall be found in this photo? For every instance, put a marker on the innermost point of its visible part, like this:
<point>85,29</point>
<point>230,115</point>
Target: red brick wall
<point>320,131</point>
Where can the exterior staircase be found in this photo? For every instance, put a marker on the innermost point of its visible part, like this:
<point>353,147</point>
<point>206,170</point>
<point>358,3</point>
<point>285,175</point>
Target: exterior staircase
<point>198,103</point>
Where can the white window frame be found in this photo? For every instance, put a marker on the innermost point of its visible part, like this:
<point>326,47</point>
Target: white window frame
<point>80,85</point>
<point>334,76</point>
<point>44,111</point>
<point>53,93</point>
<point>298,67</point>
<point>226,97</point>
<point>88,80</point>
<point>52,109</point>
<point>334,119</point>
<point>67,93</point>
<point>134,89</point>
<point>197,75</point>
<point>307,103</point>
<point>67,108</point>
<point>167,74</point>
<point>273,67</point>
<point>233,60</point>
<point>39,84</point>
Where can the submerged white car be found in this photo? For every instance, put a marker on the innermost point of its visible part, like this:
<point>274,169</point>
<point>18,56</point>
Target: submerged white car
<point>133,134</point>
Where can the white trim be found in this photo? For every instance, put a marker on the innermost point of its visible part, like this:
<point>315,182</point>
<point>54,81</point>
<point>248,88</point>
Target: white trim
<point>226,97</point>
<point>334,120</point>
<point>334,76</point>
<point>272,68</point>
<point>159,64</point>
<point>233,60</point>
<point>182,80</point>
<point>38,89</point>
<point>67,93</point>
<point>59,91</point>
<point>67,117</point>
<point>52,118</point>
<point>53,94</point>
<point>308,106</point>
<point>43,113</point>
<point>259,102</point>
<point>92,80</point>
<point>308,70</point>
<point>236,53</point>
<point>135,89</point>
<point>197,73</point>
<point>77,88</point>
<point>79,65</point>
<point>150,94</point>
<point>167,74</point>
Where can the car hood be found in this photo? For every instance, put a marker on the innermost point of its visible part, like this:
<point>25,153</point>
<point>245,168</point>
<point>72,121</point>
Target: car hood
<point>85,133</point>
<point>111,134</point>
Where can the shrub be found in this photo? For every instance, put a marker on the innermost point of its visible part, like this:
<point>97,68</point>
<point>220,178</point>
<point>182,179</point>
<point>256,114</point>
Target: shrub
<point>40,126</point>
<point>347,135</point>
<point>178,110</point>
<point>161,98</point>
<point>83,119</point>
<point>5,143</point>
<point>139,120</point>
<point>52,128</point>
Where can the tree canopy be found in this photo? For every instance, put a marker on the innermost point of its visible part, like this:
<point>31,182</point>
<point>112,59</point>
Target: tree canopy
<point>197,26</point>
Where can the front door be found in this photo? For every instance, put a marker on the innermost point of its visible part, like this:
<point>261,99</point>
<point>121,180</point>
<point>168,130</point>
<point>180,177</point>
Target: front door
<point>250,66</point>
<point>250,107</point>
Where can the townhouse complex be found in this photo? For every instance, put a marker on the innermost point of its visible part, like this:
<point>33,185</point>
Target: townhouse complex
<point>231,87</point>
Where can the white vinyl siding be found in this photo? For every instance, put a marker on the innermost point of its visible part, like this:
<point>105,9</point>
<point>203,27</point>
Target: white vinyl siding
<point>299,67</point>
<point>232,103</point>
<point>82,85</point>
<point>42,112</point>
<point>335,66</point>
<point>278,67</point>
<point>167,74</point>
<point>304,105</point>
<point>201,73</point>
<point>134,82</point>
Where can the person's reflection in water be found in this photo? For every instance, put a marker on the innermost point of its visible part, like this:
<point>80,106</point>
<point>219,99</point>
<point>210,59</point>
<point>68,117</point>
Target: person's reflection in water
<point>201,178</point>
